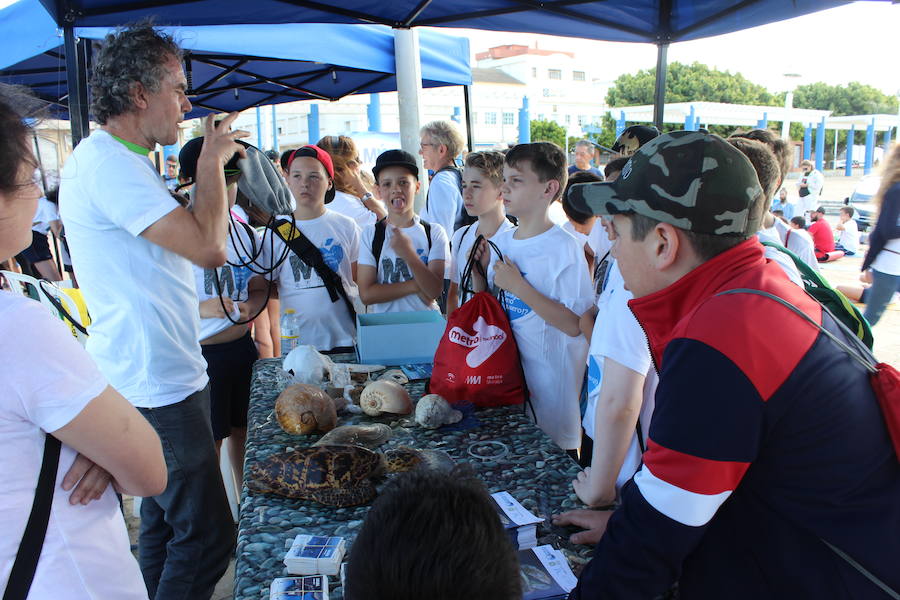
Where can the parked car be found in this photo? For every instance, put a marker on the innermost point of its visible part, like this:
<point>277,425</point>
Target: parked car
<point>861,201</point>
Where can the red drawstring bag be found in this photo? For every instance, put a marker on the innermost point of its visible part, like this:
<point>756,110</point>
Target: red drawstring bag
<point>477,360</point>
<point>884,379</point>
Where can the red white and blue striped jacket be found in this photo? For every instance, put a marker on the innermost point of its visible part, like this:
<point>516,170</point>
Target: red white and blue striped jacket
<point>766,440</point>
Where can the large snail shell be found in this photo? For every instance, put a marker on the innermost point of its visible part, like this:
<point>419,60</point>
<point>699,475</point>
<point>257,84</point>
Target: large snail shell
<point>385,397</point>
<point>304,408</point>
<point>432,411</point>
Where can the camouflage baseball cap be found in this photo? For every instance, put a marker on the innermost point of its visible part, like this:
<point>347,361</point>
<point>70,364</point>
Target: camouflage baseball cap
<point>694,181</point>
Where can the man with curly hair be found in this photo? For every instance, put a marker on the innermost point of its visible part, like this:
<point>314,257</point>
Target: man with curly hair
<point>133,245</point>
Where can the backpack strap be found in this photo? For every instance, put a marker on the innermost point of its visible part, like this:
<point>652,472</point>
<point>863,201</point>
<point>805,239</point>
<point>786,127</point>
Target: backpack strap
<point>32,543</point>
<point>310,255</point>
<point>378,239</point>
<point>381,231</point>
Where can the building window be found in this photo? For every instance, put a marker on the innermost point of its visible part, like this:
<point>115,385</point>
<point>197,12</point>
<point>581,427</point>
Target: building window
<point>554,73</point>
<point>490,118</point>
<point>578,75</point>
<point>568,119</point>
<point>542,117</point>
<point>508,118</point>
<point>534,71</point>
<point>582,120</point>
<point>474,117</point>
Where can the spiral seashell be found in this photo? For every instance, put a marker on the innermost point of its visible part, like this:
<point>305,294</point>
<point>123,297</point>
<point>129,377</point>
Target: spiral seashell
<point>385,397</point>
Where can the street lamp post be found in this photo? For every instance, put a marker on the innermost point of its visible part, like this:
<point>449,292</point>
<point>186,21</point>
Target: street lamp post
<point>791,79</point>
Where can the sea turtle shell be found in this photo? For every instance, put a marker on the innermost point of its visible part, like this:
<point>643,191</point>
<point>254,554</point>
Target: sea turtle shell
<point>369,435</point>
<point>333,475</point>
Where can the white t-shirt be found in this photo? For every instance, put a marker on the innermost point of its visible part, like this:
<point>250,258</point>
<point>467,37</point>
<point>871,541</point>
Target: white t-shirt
<point>849,237</point>
<point>445,203</point>
<point>618,336</point>
<point>393,269</point>
<point>48,380</point>
<point>323,324</point>
<point>351,206</point>
<point>45,213</point>
<point>598,240</point>
<point>145,326</point>
<point>461,245</point>
<point>783,260</point>
<point>799,242</point>
<point>557,214</point>
<point>815,181</point>
<point>553,263</point>
<point>888,260</point>
<point>233,278</point>
<point>582,239</point>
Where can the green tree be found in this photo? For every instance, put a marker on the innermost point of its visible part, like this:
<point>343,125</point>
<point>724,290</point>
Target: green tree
<point>852,99</point>
<point>548,131</point>
<point>695,82</point>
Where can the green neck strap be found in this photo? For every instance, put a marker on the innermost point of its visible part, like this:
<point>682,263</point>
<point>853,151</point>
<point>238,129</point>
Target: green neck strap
<point>137,149</point>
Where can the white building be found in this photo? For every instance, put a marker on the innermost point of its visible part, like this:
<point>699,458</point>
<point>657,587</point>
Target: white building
<point>559,88</point>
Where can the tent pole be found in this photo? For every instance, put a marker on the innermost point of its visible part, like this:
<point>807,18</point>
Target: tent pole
<point>76,77</point>
<point>470,134</point>
<point>659,93</point>
<point>409,96</point>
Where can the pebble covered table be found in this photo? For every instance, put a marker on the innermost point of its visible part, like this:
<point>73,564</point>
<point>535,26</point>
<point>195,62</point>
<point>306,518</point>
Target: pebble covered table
<point>506,450</point>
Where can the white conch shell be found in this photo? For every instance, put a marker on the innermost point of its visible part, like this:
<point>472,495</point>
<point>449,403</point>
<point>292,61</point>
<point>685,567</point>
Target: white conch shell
<point>432,411</point>
<point>385,397</point>
<point>307,365</point>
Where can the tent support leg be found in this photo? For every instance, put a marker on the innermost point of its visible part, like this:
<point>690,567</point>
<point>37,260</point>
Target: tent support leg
<point>659,93</point>
<point>76,77</point>
<point>470,133</point>
<point>409,96</point>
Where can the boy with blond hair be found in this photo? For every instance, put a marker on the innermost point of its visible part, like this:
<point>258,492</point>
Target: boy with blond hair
<point>546,286</point>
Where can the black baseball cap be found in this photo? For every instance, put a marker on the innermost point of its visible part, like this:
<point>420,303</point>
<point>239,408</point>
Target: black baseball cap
<point>395,158</point>
<point>190,153</point>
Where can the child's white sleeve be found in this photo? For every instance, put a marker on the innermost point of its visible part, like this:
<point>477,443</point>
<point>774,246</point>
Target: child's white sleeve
<point>455,257</point>
<point>440,246</point>
<point>365,246</point>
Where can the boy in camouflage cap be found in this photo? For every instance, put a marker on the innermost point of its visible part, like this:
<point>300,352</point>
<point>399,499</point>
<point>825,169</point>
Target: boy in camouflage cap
<point>758,478</point>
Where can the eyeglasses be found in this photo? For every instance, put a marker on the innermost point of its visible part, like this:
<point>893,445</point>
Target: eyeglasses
<point>423,144</point>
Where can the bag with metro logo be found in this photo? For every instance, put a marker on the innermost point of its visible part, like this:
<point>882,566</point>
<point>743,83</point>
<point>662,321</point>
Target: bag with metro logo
<point>477,360</point>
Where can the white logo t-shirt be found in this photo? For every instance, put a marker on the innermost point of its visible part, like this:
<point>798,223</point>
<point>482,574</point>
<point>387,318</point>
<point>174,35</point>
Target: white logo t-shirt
<point>554,264</point>
<point>393,269</point>
<point>461,245</point>
<point>323,324</point>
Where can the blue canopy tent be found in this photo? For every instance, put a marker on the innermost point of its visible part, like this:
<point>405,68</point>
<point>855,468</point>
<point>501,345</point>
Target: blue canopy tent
<point>660,22</point>
<point>271,68</point>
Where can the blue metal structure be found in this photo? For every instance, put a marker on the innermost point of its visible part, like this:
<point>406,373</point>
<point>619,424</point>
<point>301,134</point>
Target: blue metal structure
<point>660,22</point>
<point>312,124</point>
<point>373,112</point>
<point>870,147</point>
<point>820,145</point>
<point>886,141</point>
<point>274,129</point>
<point>848,164</point>
<point>620,124</point>
<point>239,66</point>
<point>259,140</point>
<point>524,122</point>
<point>456,117</point>
<point>689,120</point>
<point>764,122</point>
<point>807,141</point>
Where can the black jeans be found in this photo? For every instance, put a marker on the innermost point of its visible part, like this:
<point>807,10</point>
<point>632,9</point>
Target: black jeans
<point>187,535</point>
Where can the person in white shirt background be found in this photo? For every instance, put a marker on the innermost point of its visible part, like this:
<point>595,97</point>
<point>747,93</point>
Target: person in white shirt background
<point>482,178</point>
<point>809,188</point>
<point>353,197</point>
<point>441,143</point>
<point>132,246</point>
<point>848,238</point>
<point>408,273</point>
<point>51,386</point>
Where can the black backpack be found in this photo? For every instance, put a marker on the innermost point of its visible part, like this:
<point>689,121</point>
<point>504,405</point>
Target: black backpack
<point>463,217</point>
<point>381,230</point>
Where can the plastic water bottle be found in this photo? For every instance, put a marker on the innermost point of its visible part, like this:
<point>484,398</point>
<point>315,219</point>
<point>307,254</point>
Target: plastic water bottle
<point>290,331</point>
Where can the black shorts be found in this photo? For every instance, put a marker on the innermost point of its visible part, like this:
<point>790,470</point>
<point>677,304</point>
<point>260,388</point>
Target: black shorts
<point>39,249</point>
<point>229,367</point>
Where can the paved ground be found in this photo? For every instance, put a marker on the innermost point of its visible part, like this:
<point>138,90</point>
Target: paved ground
<point>845,271</point>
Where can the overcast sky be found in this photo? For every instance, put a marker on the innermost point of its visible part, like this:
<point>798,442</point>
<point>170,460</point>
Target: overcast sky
<point>856,42</point>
